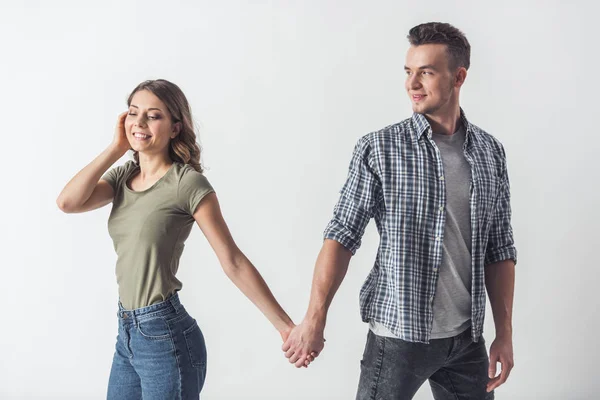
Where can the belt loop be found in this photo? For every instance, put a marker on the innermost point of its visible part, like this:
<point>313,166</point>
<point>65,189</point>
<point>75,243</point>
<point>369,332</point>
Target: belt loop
<point>121,309</point>
<point>174,300</point>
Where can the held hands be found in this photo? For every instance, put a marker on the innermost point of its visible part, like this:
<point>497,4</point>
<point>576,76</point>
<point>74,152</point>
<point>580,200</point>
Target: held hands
<point>303,343</point>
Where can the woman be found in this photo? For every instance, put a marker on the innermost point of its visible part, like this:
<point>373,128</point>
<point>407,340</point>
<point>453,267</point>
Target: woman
<point>160,351</point>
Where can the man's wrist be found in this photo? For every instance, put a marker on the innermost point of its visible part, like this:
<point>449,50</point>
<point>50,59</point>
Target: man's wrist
<point>504,333</point>
<point>316,319</point>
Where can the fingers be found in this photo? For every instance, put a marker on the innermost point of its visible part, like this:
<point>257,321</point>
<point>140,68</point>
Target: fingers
<point>301,362</point>
<point>504,373</point>
<point>298,352</point>
<point>295,358</point>
<point>289,353</point>
<point>492,368</point>
<point>492,384</point>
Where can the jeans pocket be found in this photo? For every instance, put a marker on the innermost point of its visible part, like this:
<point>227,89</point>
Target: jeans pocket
<point>154,329</point>
<point>196,346</point>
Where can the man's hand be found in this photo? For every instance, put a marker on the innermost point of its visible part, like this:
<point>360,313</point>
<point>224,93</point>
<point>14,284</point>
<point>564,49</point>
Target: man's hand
<point>304,343</point>
<point>501,351</point>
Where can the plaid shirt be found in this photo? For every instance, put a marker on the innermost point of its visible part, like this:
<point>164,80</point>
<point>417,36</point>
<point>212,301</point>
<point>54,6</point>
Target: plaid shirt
<point>396,176</point>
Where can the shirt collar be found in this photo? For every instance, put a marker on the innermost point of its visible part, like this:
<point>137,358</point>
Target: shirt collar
<point>422,125</point>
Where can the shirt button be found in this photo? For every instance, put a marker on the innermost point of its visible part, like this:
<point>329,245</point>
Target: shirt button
<point>441,208</point>
<point>437,238</point>
<point>441,177</point>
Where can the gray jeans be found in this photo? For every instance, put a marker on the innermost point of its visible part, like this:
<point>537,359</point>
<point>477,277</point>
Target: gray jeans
<point>394,369</point>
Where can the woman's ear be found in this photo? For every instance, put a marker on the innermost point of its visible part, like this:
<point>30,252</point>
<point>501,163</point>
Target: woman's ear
<point>176,129</point>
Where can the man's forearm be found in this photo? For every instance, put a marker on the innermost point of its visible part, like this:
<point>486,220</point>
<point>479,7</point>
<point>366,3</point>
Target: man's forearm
<point>330,270</point>
<point>500,284</point>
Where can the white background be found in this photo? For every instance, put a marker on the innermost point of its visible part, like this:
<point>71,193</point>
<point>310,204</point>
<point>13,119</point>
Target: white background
<point>281,91</point>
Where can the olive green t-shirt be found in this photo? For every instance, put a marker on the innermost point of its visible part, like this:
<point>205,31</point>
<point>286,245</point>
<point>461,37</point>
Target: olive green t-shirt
<point>149,228</point>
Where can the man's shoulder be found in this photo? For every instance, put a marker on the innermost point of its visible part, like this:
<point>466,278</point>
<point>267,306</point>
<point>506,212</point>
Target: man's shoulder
<point>486,139</point>
<point>398,131</point>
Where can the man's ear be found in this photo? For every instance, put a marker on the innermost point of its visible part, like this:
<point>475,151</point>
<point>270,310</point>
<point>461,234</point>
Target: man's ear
<point>460,77</point>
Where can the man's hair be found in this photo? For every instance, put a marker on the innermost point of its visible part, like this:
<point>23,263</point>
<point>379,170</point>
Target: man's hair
<point>457,45</point>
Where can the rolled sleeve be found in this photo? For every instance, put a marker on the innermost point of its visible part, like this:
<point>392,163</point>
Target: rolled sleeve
<point>501,244</point>
<point>358,200</point>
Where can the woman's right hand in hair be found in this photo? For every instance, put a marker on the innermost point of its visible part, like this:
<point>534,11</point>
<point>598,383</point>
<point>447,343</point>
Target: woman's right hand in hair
<point>120,141</point>
<point>86,190</point>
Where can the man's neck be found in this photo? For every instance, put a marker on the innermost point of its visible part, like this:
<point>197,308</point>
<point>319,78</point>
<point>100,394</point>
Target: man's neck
<point>445,123</point>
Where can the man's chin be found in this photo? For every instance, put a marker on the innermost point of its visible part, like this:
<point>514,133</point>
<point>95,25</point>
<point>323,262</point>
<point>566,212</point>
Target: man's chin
<point>421,109</point>
<point>418,109</point>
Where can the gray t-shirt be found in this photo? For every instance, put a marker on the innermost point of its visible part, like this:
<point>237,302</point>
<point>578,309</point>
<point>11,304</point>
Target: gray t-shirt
<point>452,300</point>
<point>149,228</point>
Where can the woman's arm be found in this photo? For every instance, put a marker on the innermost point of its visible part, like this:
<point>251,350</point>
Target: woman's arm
<point>237,267</point>
<point>85,191</point>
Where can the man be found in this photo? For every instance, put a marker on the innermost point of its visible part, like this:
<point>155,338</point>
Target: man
<point>438,189</point>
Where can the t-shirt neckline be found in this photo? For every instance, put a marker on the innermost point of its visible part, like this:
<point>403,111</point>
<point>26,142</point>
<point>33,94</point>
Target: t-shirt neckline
<point>137,167</point>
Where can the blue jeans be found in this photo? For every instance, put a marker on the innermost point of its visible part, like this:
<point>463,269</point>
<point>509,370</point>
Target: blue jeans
<point>394,369</point>
<point>160,354</point>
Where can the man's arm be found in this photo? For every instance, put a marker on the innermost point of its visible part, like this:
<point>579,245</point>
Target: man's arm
<point>500,284</point>
<point>500,261</point>
<point>342,238</point>
<point>330,270</point>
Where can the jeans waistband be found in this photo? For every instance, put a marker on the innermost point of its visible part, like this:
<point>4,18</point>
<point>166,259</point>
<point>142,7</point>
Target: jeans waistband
<point>172,304</point>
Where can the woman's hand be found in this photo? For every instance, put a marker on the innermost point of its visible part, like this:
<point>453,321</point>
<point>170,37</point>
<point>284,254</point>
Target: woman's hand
<point>120,142</point>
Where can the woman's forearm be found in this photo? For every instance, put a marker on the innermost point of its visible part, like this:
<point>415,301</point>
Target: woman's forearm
<point>247,278</point>
<point>79,189</point>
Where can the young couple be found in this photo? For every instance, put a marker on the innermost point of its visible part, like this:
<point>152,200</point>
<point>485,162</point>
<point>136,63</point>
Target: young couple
<point>436,185</point>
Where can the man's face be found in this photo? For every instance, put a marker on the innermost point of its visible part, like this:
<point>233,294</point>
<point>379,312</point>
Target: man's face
<point>429,82</point>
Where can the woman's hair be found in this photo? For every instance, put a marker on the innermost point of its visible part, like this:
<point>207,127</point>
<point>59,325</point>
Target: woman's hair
<point>183,148</point>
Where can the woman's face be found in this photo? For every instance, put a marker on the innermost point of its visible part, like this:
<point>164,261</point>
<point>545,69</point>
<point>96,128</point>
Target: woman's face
<point>149,126</point>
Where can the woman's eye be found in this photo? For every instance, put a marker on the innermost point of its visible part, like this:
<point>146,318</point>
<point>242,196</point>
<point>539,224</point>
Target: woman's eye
<point>132,114</point>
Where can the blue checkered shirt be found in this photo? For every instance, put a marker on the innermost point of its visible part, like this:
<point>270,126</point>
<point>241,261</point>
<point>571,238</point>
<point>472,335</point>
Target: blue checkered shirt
<point>396,176</point>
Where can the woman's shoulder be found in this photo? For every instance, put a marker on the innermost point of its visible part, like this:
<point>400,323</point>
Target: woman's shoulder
<point>188,175</point>
<point>129,165</point>
<point>192,188</point>
<point>116,174</point>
